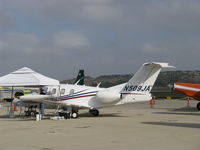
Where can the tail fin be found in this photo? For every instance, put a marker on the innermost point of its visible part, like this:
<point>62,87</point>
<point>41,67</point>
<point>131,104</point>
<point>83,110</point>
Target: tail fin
<point>80,78</point>
<point>144,78</point>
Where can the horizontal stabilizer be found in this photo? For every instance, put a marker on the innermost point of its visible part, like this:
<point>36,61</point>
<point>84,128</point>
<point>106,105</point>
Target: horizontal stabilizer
<point>162,65</point>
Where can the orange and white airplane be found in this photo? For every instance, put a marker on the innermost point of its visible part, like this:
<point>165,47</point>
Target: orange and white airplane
<point>191,90</point>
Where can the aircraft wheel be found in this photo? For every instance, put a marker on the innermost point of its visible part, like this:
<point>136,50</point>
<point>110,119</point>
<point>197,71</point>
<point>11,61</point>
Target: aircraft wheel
<point>94,112</point>
<point>74,115</point>
<point>198,106</point>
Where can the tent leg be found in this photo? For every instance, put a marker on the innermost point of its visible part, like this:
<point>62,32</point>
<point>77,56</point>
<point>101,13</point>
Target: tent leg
<point>11,112</point>
<point>42,108</point>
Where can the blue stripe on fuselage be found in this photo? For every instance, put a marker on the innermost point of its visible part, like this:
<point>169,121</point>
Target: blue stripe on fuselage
<point>75,95</point>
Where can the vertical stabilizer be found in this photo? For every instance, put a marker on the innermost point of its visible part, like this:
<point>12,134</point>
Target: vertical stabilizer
<point>80,78</point>
<point>144,78</point>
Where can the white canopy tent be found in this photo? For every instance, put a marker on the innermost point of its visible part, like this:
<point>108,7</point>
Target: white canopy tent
<point>26,77</point>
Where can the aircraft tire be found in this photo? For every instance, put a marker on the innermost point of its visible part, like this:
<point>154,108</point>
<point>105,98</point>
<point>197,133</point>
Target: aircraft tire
<point>198,106</point>
<point>94,112</point>
<point>74,115</point>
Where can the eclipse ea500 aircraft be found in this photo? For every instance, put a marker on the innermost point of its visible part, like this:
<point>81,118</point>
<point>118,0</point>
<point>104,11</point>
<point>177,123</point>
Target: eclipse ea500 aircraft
<point>74,97</point>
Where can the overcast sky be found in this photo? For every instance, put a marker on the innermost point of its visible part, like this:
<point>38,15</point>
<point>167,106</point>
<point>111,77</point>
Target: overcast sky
<point>59,37</point>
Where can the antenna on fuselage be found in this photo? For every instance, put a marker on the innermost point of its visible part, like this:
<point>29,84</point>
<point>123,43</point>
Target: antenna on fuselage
<point>98,84</point>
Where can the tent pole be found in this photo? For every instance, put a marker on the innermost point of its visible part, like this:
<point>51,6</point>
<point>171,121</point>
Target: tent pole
<point>42,105</point>
<point>12,92</point>
<point>59,91</point>
<point>11,114</point>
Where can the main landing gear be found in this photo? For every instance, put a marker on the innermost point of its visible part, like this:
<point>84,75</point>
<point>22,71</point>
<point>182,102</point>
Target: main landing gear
<point>68,112</point>
<point>74,114</point>
<point>94,112</point>
<point>67,115</point>
<point>198,106</point>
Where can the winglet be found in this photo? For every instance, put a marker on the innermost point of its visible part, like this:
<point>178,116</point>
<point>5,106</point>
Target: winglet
<point>162,65</point>
<point>98,85</point>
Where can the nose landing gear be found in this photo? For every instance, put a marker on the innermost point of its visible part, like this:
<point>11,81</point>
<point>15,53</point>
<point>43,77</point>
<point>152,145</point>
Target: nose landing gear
<point>94,112</point>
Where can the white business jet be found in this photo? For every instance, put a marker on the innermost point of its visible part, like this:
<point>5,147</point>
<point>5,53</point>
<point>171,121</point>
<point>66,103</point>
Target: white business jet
<point>71,98</point>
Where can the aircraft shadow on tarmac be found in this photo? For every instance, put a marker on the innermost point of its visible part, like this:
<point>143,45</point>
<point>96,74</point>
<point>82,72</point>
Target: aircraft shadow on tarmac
<point>102,115</point>
<point>186,109</point>
<point>4,116</point>
<point>186,125</point>
<point>21,118</point>
<point>177,113</point>
<point>181,111</point>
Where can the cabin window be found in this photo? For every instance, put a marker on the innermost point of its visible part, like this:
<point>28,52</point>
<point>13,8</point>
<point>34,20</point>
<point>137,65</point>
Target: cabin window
<point>62,91</point>
<point>71,91</point>
<point>54,91</point>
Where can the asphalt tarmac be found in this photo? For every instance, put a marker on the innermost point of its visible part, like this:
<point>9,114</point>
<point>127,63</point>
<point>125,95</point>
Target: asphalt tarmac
<point>169,125</point>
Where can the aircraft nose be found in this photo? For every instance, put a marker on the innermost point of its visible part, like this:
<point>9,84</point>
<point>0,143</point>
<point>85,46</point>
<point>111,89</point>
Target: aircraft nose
<point>171,86</point>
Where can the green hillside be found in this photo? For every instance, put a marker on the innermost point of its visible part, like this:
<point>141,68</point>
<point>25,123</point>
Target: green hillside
<point>163,80</point>
<point>160,88</point>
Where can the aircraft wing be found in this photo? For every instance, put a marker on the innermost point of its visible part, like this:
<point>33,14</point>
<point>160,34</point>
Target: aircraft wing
<point>47,99</point>
<point>34,97</point>
<point>59,103</point>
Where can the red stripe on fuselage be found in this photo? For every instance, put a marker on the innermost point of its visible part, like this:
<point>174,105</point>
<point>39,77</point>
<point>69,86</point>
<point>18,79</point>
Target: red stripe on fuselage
<point>133,93</point>
<point>77,97</point>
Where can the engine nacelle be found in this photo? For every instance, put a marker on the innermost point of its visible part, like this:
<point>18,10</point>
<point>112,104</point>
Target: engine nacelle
<point>107,96</point>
